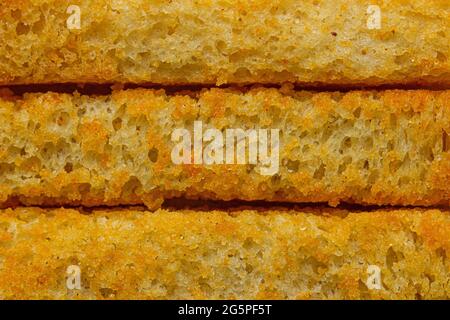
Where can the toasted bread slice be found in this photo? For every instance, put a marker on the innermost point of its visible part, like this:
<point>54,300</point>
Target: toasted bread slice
<point>365,147</point>
<point>276,254</point>
<point>310,42</point>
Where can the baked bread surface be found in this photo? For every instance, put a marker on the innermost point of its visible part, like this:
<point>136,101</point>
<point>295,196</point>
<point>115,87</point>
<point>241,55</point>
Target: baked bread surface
<point>248,254</point>
<point>366,147</point>
<point>233,41</point>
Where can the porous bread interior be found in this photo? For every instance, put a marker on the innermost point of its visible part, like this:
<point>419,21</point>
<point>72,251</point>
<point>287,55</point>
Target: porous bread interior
<point>215,42</point>
<point>275,254</point>
<point>368,147</point>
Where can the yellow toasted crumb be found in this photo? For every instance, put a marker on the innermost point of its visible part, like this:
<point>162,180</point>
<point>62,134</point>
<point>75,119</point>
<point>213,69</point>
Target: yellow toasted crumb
<point>248,254</point>
<point>227,41</point>
<point>366,147</point>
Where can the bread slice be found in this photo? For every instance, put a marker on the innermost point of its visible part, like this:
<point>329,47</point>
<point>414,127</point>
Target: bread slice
<point>365,147</point>
<point>233,41</point>
<point>276,254</point>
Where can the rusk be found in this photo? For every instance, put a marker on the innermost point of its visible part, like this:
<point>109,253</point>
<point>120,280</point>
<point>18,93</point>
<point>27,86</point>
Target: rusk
<point>248,254</point>
<point>366,147</point>
<point>228,41</point>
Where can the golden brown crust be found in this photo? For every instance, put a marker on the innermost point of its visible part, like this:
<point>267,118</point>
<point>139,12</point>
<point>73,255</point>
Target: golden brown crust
<point>367,147</point>
<point>216,42</point>
<point>307,254</point>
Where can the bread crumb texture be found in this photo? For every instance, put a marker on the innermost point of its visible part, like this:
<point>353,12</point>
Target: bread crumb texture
<point>366,147</point>
<point>309,254</point>
<point>227,41</point>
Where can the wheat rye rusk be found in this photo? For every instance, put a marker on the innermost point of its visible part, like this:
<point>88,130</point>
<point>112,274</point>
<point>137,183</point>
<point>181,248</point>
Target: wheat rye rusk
<point>276,254</point>
<point>365,147</point>
<point>217,42</point>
